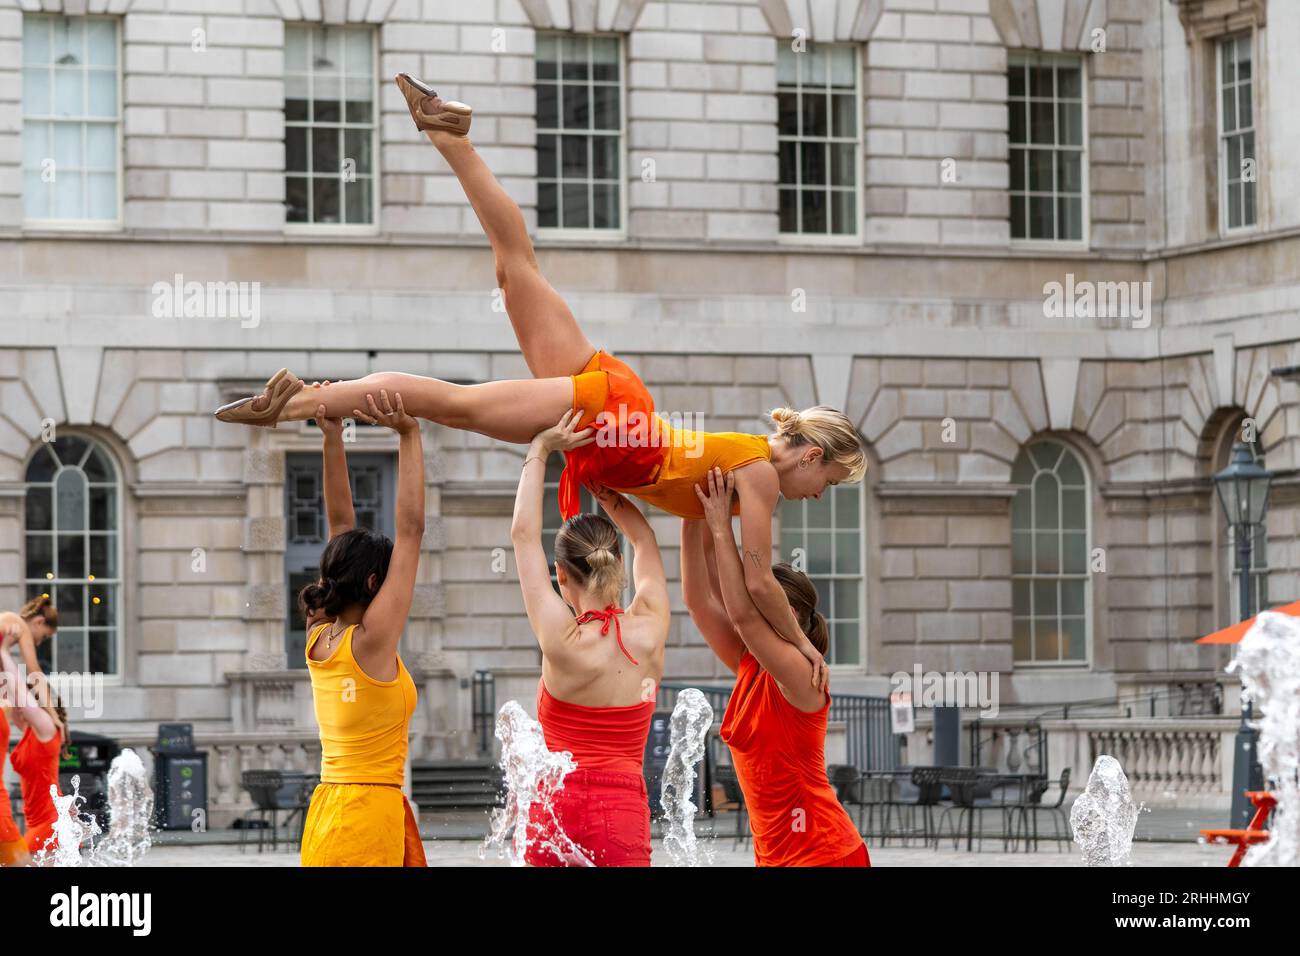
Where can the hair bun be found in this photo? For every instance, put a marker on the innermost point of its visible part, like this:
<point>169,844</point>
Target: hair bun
<point>786,419</point>
<point>600,558</point>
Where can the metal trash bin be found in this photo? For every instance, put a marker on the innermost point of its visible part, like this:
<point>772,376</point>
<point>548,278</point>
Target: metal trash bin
<point>180,779</point>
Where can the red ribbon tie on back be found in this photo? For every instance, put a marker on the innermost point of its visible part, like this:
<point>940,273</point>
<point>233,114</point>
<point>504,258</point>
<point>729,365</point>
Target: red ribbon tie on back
<point>610,613</point>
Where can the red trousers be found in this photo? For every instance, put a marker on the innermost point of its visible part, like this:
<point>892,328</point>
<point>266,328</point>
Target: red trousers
<point>605,812</point>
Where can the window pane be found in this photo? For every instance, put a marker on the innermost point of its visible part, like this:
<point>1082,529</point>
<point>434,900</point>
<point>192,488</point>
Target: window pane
<point>359,207</point>
<point>1075,644</point>
<point>604,206</point>
<point>1070,123</point>
<point>1069,218</point>
<point>548,51</point>
<point>843,212</point>
<point>358,96</point>
<point>606,114</point>
<point>847,553</point>
<point>1042,224</point>
<point>818,546</point>
<point>548,213</point>
<point>548,98</point>
<point>577,107</point>
<point>69,92</point>
<point>40,555</point>
<point>787,65</point>
<point>36,40</point>
<point>814,114</point>
<point>295,199</point>
<point>789,210</point>
<point>1229,108</point>
<point>787,111</point>
<point>813,169</point>
<point>356,143</point>
<point>325,199</point>
<point>36,92</point>
<point>575,214</point>
<point>573,57</point>
<point>1047,552</point>
<point>604,157</point>
<point>845,116</point>
<point>1021,648</point>
<point>574,156</point>
<point>1041,81</point>
<point>1047,641</point>
<point>604,59</point>
<point>842,164</point>
<point>788,162</point>
<point>1069,83</point>
<point>845,595</point>
<point>1042,123</point>
<point>325,151</point>
<point>1018,130</point>
<point>1040,170</point>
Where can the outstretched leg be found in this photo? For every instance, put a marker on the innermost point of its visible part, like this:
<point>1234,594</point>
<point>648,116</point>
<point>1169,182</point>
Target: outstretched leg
<point>549,336</point>
<point>512,411</point>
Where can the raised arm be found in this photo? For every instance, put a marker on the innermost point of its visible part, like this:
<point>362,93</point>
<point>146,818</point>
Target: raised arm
<point>385,618</point>
<point>15,632</point>
<point>793,665</point>
<point>28,704</point>
<point>337,486</point>
<point>647,563</point>
<point>758,487</point>
<point>548,615</point>
<point>703,601</point>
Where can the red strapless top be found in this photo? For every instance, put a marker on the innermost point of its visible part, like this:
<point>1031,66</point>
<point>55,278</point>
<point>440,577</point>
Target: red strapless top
<point>600,738</point>
<point>38,765</point>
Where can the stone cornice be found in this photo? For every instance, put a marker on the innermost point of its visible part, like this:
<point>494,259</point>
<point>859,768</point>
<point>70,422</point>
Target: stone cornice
<point>584,16</point>
<point>839,21</point>
<point>1203,19</point>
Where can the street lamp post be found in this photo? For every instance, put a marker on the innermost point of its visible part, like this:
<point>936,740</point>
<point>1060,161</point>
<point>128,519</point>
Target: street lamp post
<point>1243,492</point>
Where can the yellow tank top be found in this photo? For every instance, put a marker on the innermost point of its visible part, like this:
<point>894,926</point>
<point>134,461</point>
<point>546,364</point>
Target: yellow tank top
<point>363,721</point>
<point>687,459</point>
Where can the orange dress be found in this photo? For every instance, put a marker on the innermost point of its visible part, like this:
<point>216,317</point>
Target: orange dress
<point>359,815</point>
<point>780,757</point>
<point>12,846</point>
<point>639,452</point>
<point>37,762</point>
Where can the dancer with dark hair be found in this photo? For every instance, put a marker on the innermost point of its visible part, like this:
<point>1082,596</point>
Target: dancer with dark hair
<point>601,664</point>
<point>775,724</point>
<point>639,453</point>
<point>364,696</point>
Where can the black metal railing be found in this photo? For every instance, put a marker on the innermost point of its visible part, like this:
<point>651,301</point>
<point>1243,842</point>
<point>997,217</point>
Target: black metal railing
<point>869,738</point>
<point>484,710</point>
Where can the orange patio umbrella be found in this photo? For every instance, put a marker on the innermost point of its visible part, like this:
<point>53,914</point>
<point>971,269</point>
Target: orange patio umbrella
<point>1234,633</point>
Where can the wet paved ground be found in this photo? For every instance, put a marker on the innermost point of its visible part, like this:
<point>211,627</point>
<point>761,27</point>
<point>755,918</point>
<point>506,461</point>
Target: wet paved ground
<point>465,853</point>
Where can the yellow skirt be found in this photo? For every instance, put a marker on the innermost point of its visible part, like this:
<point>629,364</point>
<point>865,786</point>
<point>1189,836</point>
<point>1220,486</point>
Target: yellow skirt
<point>351,824</point>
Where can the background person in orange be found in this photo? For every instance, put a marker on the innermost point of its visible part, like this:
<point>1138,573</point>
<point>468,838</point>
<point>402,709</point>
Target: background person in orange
<point>36,757</point>
<point>775,722</point>
<point>363,695</point>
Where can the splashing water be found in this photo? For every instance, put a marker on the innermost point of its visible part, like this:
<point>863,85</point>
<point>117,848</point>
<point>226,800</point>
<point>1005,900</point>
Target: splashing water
<point>130,805</point>
<point>1104,816</point>
<point>692,718</point>
<point>1269,660</point>
<point>533,776</point>
<point>71,829</point>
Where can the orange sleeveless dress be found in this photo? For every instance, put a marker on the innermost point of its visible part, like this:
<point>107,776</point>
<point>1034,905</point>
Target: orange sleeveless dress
<point>37,763</point>
<point>359,815</point>
<point>13,847</point>
<point>638,452</point>
<point>780,757</point>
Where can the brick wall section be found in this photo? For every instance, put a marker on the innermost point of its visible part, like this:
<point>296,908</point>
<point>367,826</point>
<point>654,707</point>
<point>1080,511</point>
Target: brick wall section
<point>1117,124</point>
<point>702,107</point>
<point>936,90</point>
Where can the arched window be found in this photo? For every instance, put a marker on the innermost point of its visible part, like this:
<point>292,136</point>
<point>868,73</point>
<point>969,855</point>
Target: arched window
<point>71,530</point>
<point>828,535</point>
<point>1049,556</point>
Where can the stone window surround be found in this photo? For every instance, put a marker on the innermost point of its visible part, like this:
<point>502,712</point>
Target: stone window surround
<point>1205,22</point>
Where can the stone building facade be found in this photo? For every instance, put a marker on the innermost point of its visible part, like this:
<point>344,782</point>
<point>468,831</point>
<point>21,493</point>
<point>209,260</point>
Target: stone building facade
<point>927,318</point>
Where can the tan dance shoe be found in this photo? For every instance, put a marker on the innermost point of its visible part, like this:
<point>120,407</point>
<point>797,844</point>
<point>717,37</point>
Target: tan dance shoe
<point>283,385</point>
<point>431,112</point>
